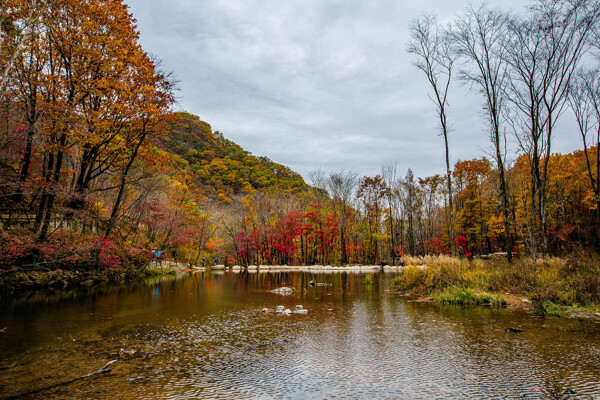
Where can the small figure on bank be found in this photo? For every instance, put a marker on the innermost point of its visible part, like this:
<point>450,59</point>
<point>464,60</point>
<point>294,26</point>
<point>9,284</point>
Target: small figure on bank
<point>159,256</point>
<point>216,260</point>
<point>203,262</point>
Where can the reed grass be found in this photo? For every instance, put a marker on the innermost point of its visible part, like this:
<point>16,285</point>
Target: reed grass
<point>572,282</point>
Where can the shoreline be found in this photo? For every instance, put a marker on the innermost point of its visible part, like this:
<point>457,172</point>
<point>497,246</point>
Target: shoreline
<point>16,280</point>
<point>550,288</point>
<point>513,301</point>
<point>20,280</point>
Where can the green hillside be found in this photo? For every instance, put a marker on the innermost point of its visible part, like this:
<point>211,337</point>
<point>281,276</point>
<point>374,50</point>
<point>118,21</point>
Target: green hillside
<point>220,165</point>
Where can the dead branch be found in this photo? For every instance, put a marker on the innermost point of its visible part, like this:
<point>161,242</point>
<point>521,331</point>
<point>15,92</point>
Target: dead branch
<point>103,370</point>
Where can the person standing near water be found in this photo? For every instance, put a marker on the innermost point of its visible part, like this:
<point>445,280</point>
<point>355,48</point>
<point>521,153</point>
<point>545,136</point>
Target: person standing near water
<point>203,262</point>
<point>216,260</point>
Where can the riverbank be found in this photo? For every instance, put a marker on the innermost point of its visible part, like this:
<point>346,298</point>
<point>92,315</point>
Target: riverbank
<point>17,280</point>
<point>20,279</point>
<point>552,287</point>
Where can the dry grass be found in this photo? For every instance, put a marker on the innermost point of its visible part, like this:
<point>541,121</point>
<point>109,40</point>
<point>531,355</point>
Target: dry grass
<point>564,281</point>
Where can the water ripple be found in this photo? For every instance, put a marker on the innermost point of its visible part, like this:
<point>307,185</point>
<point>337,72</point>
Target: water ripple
<point>216,343</point>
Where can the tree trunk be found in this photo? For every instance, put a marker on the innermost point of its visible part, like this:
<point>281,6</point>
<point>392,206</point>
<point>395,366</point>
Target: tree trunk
<point>533,220</point>
<point>52,195</point>
<point>115,211</point>
<point>450,201</point>
<point>504,195</point>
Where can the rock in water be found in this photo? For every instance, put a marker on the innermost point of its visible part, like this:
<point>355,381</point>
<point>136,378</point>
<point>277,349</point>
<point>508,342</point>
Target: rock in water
<point>513,330</point>
<point>126,353</point>
<point>284,290</point>
<point>319,284</point>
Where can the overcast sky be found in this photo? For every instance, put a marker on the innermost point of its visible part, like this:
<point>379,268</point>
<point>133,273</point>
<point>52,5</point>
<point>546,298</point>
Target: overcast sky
<point>316,83</point>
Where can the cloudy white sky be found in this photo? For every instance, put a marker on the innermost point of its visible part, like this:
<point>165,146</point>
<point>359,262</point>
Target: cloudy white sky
<point>316,83</point>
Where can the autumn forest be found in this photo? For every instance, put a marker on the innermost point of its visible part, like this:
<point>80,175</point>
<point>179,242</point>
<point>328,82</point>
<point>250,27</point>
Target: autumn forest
<point>97,169</point>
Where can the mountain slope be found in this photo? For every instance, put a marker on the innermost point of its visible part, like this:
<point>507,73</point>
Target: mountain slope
<point>220,165</point>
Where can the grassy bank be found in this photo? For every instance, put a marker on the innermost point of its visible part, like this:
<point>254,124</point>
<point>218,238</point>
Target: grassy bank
<point>157,271</point>
<point>555,285</point>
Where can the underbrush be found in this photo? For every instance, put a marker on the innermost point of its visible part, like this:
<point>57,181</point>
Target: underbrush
<point>564,282</point>
<point>20,250</point>
<point>547,308</point>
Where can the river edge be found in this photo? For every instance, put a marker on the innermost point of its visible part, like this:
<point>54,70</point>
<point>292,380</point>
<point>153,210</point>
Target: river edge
<point>513,301</point>
<point>18,281</point>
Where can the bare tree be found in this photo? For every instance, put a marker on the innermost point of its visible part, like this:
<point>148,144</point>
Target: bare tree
<point>318,181</point>
<point>584,99</point>
<point>410,192</point>
<point>342,185</point>
<point>429,187</point>
<point>544,51</point>
<point>429,42</point>
<point>399,210</point>
<point>388,172</point>
<point>479,38</point>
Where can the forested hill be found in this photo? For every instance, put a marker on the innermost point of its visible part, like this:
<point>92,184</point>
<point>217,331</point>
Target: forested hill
<point>220,165</point>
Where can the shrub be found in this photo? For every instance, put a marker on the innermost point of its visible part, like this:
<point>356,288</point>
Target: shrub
<point>547,308</point>
<point>458,295</point>
<point>68,250</point>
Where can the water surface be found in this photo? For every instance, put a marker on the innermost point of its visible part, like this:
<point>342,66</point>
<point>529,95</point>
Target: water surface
<point>203,335</point>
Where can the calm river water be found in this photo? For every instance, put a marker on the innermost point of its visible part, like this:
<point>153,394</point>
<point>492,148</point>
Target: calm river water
<point>203,335</point>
